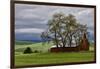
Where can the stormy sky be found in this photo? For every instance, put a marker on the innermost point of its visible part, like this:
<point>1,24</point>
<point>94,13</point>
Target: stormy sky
<point>31,20</point>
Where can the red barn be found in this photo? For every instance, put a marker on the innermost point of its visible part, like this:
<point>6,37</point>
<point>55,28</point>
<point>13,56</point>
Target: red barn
<point>84,43</point>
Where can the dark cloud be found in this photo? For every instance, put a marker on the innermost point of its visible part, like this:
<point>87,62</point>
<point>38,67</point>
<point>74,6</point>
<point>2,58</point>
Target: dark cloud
<point>37,16</point>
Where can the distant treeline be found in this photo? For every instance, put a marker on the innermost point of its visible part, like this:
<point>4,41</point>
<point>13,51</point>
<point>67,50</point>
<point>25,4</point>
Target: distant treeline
<point>24,42</point>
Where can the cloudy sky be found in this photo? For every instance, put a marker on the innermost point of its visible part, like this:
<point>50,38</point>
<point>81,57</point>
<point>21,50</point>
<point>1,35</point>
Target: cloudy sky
<point>31,20</point>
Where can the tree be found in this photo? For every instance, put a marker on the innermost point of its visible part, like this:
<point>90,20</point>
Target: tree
<point>80,31</point>
<point>28,50</point>
<point>62,29</point>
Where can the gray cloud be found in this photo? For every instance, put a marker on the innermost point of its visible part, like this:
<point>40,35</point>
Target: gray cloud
<point>30,17</point>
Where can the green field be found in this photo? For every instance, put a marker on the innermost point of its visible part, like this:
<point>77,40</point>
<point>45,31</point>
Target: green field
<point>45,57</point>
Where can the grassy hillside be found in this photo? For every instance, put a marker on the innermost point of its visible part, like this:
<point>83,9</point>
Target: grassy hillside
<point>45,57</point>
<point>20,47</point>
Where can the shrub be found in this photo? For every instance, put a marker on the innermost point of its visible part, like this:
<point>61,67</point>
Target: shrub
<point>27,50</point>
<point>36,51</point>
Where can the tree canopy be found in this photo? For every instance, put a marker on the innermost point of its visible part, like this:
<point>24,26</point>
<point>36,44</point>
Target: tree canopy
<point>63,29</point>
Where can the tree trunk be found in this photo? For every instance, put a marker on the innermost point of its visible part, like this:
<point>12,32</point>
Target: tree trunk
<point>56,39</point>
<point>70,41</point>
